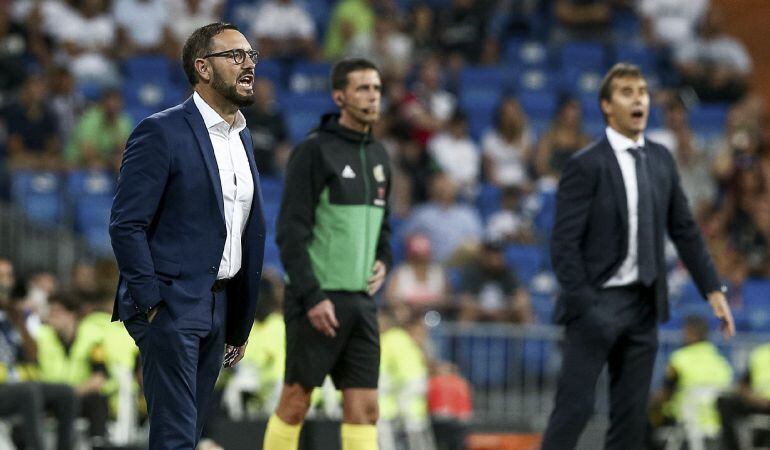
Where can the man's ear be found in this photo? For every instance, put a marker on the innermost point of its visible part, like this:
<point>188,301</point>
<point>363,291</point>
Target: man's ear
<point>339,98</point>
<point>605,106</point>
<point>203,69</point>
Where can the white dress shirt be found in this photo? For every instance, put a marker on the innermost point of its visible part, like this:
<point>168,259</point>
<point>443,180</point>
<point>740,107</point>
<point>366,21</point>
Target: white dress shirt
<point>235,176</point>
<point>628,272</point>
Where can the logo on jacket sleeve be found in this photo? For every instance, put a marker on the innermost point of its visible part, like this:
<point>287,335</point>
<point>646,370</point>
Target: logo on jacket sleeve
<point>379,173</point>
<point>347,172</point>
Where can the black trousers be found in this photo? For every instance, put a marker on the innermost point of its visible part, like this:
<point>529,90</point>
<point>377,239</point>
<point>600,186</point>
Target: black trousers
<point>618,330</point>
<point>30,401</point>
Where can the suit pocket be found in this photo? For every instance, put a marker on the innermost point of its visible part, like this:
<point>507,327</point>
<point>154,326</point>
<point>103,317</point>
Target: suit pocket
<point>169,269</point>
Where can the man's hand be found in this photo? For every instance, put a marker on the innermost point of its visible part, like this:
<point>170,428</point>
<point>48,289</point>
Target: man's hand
<point>721,309</point>
<point>234,354</point>
<point>377,278</point>
<point>323,319</point>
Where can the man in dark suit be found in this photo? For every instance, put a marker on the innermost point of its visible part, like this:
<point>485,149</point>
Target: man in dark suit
<point>616,201</point>
<point>188,233</point>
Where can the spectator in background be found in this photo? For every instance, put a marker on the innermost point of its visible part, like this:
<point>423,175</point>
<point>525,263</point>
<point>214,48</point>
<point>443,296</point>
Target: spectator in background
<point>457,155</point>
<point>66,102</point>
<point>693,164</point>
<point>694,371</point>
<point>33,139</point>
<point>428,107</point>
<point>581,20</point>
<point>453,228</point>
<point>418,282</point>
<point>268,129</point>
<point>753,396</point>
<point>88,40</point>
<point>461,30</point>
<point>422,31</point>
<point>284,29</point>
<point>671,22</point>
<point>19,46</point>
<point>564,137</point>
<point>348,19</point>
<point>490,290</point>
<point>716,65</point>
<point>74,355</point>
<point>142,27</point>
<point>100,135</point>
<point>20,396</point>
<point>386,46</point>
<point>189,15</point>
<point>507,148</point>
<point>511,224</point>
<point>450,405</point>
<point>83,280</point>
<point>413,167</point>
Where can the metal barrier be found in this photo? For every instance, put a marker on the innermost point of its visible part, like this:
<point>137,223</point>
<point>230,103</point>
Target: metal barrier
<point>513,369</point>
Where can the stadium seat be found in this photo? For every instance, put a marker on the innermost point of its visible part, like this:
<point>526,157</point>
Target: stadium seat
<point>756,303</point>
<point>90,195</point>
<point>578,82</point>
<point>488,200</point>
<point>537,80</point>
<point>310,77</point>
<point>480,112</point>
<point>302,112</point>
<point>526,54</point>
<point>142,98</point>
<point>708,120</point>
<point>273,71</point>
<point>583,55</point>
<point>639,54</point>
<point>154,68</point>
<point>625,25</point>
<point>39,196</point>
<point>538,105</point>
<point>525,259</point>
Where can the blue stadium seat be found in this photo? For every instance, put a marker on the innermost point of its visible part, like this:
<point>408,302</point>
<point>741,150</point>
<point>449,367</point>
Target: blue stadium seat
<point>39,196</point>
<point>142,98</point>
<point>756,303</point>
<point>480,112</point>
<point>583,55</point>
<point>525,259</point>
<point>537,80</point>
<point>538,105</point>
<point>626,25</point>
<point>644,57</point>
<point>303,112</point>
<point>708,120</point>
<point>148,68</point>
<point>488,200</point>
<point>273,71</point>
<point>90,194</point>
<point>579,82</point>
<point>546,213</point>
<point>310,77</point>
<point>526,54</point>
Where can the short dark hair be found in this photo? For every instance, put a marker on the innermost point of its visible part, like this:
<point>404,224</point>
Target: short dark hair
<point>341,70</point>
<point>697,326</point>
<point>66,300</point>
<point>198,45</point>
<point>619,70</point>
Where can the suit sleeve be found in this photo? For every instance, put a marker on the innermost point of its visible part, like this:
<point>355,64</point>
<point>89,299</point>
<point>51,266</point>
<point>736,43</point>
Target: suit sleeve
<point>141,185</point>
<point>384,252</point>
<point>296,219</point>
<point>687,238</point>
<point>573,204</point>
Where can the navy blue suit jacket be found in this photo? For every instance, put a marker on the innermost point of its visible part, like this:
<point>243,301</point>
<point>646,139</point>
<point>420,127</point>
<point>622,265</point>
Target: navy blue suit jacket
<point>590,234</point>
<point>167,224</point>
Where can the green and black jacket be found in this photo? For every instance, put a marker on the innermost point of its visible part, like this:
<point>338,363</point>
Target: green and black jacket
<point>333,222</point>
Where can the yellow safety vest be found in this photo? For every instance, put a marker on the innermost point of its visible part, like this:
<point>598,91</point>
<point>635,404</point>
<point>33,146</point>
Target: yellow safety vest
<point>759,370</point>
<point>402,365</point>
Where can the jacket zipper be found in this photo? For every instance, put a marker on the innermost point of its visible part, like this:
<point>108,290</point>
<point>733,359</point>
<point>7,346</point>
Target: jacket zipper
<point>365,175</point>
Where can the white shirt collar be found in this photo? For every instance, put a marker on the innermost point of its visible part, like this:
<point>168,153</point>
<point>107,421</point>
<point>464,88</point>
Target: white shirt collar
<point>212,118</point>
<point>621,143</point>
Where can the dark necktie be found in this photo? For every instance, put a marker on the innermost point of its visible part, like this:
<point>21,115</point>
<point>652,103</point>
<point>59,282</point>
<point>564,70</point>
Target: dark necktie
<point>645,221</point>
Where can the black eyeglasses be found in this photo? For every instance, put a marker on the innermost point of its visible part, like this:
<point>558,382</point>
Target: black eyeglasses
<point>238,55</point>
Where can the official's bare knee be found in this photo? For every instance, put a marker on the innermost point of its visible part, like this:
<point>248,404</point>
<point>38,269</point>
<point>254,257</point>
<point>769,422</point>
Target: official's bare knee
<point>293,404</point>
<point>360,406</point>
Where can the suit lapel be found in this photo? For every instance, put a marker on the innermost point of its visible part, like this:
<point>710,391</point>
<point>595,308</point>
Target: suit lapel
<point>618,187</point>
<point>195,120</point>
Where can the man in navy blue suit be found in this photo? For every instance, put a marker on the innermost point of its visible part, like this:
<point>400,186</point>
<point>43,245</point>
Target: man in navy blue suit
<point>188,233</point>
<point>617,200</point>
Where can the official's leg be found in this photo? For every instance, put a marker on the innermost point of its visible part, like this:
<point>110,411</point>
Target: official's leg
<point>360,413</point>
<point>285,424</point>
<point>587,343</point>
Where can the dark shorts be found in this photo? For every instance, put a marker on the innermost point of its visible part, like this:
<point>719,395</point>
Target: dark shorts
<point>352,357</point>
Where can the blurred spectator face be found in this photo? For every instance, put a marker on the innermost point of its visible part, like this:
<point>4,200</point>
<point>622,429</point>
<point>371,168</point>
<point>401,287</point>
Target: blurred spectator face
<point>92,8</point>
<point>418,248</point>
<point>360,100</point>
<point>430,74</point>
<point>34,90</point>
<point>511,115</point>
<point>422,17</point>
<point>458,127</point>
<point>676,116</point>
<point>510,198</point>
<point>113,103</point>
<point>234,82</point>
<point>7,277</point>
<point>570,114</point>
<point>442,189</point>
<point>629,105</point>
<point>60,318</point>
<point>492,257</point>
<point>84,278</point>
<point>61,81</point>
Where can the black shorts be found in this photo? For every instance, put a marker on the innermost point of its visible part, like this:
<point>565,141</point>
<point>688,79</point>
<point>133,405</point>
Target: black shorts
<point>352,357</point>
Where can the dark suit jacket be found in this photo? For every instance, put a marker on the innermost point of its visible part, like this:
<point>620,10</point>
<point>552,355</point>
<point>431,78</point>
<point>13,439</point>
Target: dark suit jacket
<point>590,235</point>
<point>167,223</point>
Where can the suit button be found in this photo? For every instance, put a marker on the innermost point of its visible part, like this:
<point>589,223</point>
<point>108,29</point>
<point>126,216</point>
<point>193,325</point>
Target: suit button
<point>212,269</point>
